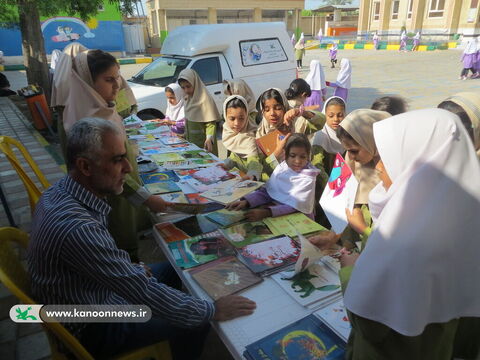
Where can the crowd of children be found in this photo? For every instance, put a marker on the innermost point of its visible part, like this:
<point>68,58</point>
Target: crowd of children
<point>415,208</point>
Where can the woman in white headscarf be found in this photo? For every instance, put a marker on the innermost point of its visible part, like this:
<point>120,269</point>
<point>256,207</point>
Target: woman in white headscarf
<point>469,58</point>
<point>300,51</point>
<point>175,112</point>
<point>94,84</point>
<point>344,80</point>
<point>200,111</point>
<point>238,137</point>
<point>316,80</point>
<point>413,293</point>
<point>467,106</point>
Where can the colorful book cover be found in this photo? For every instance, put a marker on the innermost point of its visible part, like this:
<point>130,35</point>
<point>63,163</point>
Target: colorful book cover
<point>339,194</point>
<point>200,249</point>
<point>196,154</point>
<point>159,177</point>
<point>170,233</point>
<point>231,190</point>
<point>335,316</point>
<point>187,208</point>
<point>270,255</point>
<point>176,197</point>
<point>308,339</point>
<point>212,175</point>
<point>179,164</point>
<point>132,120</point>
<point>161,158</point>
<point>172,140</point>
<point>291,223</point>
<point>224,217</point>
<point>315,284</point>
<point>224,276</point>
<point>246,233</point>
<point>196,198</point>
<point>162,187</point>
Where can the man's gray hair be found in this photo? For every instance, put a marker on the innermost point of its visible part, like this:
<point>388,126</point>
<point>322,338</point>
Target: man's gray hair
<point>85,139</point>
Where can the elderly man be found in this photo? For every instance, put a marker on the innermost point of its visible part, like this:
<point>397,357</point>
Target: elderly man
<point>73,259</point>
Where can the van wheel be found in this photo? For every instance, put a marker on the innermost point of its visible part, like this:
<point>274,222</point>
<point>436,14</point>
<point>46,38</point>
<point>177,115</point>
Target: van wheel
<point>150,114</point>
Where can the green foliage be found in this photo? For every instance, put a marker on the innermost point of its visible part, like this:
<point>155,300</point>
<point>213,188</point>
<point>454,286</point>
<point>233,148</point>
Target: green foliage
<point>338,2</point>
<point>84,9</point>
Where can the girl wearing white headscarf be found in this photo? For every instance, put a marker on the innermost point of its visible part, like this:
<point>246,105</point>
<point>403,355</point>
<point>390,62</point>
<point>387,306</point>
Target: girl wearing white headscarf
<point>240,87</point>
<point>127,217</point>
<point>344,80</point>
<point>333,54</point>
<point>469,58</point>
<point>467,106</point>
<point>277,115</point>
<point>403,41</point>
<point>200,111</point>
<point>238,137</point>
<point>416,41</point>
<point>300,51</point>
<point>375,39</point>
<point>316,80</point>
<point>413,293</point>
<point>175,113</point>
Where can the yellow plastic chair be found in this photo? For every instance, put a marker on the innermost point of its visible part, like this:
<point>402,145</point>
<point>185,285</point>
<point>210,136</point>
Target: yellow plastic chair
<point>6,146</point>
<point>14,276</point>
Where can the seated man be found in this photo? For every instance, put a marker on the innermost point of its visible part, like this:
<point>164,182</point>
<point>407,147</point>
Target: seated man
<point>73,259</point>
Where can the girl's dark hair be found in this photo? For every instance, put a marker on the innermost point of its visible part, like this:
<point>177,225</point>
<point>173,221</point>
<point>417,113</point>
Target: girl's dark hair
<point>460,112</point>
<point>335,101</point>
<point>271,94</point>
<point>180,81</point>
<point>4,83</point>
<point>392,104</point>
<point>298,140</point>
<point>342,134</point>
<point>236,103</point>
<point>99,61</point>
<point>169,89</point>
<point>297,88</point>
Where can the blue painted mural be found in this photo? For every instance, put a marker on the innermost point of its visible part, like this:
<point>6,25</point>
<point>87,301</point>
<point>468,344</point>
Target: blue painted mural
<point>59,31</point>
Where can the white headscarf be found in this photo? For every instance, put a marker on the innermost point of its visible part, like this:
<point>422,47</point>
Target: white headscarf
<point>176,112</point>
<point>375,36</point>
<point>316,76</point>
<point>471,47</point>
<point>420,265</point>
<point>293,189</point>
<point>417,35</point>
<point>242,143</point>
<point>240,87</point>
<point>320,34</point>
<point>200,107</point>
<point>327,137</point>
<point>63,73</point>
<point>344,78</point>
<point>54,58</point>
<point>300,43</point>
<point>293,39</point>
<point>403,36</point>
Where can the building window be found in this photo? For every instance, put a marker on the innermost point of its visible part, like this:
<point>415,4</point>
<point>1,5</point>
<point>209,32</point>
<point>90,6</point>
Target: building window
<point>376,10</point>
<point>395,7</point>
<point>472,12</point>
<point>410,9</point>
<point>436,8</point>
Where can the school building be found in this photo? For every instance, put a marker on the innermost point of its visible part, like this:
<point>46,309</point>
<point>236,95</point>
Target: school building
<point>166,15</point>
<point>434,18</point>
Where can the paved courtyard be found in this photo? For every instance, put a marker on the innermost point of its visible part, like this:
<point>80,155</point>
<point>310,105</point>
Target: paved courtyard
<point>424,79</point>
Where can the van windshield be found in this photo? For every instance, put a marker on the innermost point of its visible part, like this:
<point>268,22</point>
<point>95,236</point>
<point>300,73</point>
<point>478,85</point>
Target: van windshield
<point>161,72</point>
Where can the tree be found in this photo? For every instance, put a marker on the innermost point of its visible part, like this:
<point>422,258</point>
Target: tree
<point>25,14</point>
<point>338,2</point>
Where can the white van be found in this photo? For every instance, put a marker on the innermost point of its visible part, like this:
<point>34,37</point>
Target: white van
<point>259,53</point>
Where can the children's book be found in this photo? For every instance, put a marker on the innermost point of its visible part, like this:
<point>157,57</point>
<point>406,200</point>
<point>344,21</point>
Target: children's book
<point>224,276</point>
<point>147,167</point>
<point>268,143</point>
<point>187,208</point>
<point>170,233</point>
<point>196,154</point>
<point>291,223</point>
<point>176,197</point>
<point>211,175</point>
<point>332,263</point>
<point>196,198</point>
<point>179,164</point>
<point>317,284</point>
<point>132,120</point>
<point>200,249</point>
<point>308,338</point>
<point>162,187</point>
<point>269,256</point>
<point>159,177</point>
<point>339,194</point>
<point>189,226</point>
<point>246,233</point>
<point>224,217</point>
<point>161,158</point>
<point>231,190</point>
<point>172,140</point>
<point>336,318</point>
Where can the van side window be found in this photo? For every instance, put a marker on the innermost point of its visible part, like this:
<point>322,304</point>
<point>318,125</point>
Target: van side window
<point>209,70</point>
